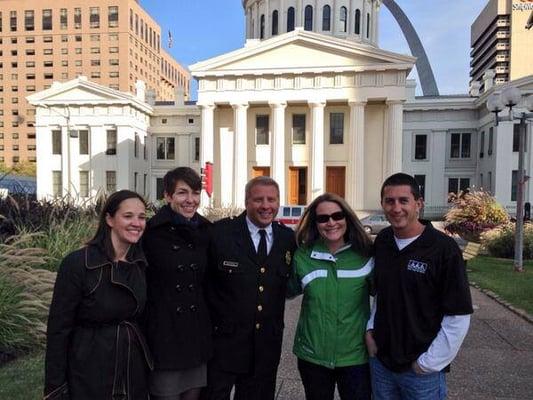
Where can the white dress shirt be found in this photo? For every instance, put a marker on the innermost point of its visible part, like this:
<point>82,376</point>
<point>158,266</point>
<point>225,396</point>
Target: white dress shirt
<point>256,236</point>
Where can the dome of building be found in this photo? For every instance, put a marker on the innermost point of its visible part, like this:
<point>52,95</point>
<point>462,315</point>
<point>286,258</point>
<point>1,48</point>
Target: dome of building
<point>348,19</point>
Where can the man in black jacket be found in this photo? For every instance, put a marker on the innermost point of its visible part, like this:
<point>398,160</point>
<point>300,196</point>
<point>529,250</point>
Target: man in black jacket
<point>249,265</point>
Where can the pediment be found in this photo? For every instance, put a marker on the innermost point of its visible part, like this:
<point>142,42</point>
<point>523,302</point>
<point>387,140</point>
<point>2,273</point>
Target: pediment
<point>80,91</point>
<point>302,51</point>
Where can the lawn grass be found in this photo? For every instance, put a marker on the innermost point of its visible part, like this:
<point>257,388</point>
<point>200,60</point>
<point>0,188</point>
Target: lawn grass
<point>497,275</point>
<point>23,378</point>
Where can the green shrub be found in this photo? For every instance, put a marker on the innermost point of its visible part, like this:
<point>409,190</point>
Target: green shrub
<point>500,241</point>
<point>474,212</point>
<point>12,322</point>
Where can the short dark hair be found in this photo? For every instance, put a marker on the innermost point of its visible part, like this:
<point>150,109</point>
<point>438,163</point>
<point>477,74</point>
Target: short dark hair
<point>401,179</point>
<point>102,237</point>
<point>185,174</point>
<point>307,232</point>
<point>259,180</point>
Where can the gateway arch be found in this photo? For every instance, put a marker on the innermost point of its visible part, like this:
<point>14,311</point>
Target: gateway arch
<point>423,67</point>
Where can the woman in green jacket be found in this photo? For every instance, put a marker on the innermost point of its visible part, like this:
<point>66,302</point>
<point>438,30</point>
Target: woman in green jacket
<point>332,267</point>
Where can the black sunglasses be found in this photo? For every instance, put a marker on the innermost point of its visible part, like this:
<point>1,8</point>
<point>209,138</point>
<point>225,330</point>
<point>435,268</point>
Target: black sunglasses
<point>336,216</point>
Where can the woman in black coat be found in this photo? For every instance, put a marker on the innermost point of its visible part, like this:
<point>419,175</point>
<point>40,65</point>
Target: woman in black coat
<point>177,324</point>
<point>95,349</point>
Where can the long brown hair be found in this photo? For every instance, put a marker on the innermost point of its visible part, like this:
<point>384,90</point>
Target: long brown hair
<point>307,232</point>
<point>102,237</point>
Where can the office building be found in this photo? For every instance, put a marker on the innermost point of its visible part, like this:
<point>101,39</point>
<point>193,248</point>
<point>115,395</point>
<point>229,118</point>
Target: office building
<point>112,42</point>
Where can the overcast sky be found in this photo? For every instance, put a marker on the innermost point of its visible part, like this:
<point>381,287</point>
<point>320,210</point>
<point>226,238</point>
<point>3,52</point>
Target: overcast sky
<point>202,29</point>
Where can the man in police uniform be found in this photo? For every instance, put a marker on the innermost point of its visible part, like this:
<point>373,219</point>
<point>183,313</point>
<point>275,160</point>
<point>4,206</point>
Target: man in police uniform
<point>423,302</point>
<point>249,266</point>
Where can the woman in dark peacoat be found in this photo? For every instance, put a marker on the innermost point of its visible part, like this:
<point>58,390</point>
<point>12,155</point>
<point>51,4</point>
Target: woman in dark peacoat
<point>95,349</point>
<point>178,328</point>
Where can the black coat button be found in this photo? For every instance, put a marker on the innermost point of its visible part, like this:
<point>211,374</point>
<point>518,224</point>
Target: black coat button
<point>193,266</point>
<point>179,310</point>
<point>192,308</point>
<point>178,288</point>
<point>172,228</point>
<point>191,287</point>
<point>190,246</point>
<point>175,247</point>
<point>181,268</point>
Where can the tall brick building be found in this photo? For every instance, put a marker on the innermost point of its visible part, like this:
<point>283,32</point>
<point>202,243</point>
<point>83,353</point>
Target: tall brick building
<point>112,42</point>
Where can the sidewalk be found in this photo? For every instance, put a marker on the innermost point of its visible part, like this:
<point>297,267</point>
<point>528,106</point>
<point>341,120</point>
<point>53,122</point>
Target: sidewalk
<point>495,362</point>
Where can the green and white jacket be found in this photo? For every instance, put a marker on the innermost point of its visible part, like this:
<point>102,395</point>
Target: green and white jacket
<point>335,305</point>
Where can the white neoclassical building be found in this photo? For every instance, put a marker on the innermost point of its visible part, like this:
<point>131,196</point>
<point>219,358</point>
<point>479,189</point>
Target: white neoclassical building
<point>309,100</point>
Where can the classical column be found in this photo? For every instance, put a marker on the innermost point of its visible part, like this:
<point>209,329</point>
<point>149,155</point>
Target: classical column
<point>277,147</point>
<point>334,17</point>
<point>376,23</point>
<point>240,152</point>
<point>299,14</point>
<point>356,156</point>
<point>268,23</point>
<point>316,148</point>
<point>393,145</point>
<point>282,19</point>
<point>207,141</point>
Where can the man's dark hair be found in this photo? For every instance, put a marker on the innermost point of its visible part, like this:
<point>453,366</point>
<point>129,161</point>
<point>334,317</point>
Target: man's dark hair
<point>401,179</point>
<point>185,174</point>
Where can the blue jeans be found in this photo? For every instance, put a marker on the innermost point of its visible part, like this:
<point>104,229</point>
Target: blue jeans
<point>388,385</point>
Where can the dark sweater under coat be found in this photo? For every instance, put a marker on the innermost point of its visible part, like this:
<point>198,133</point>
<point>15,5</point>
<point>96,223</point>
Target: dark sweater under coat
<point>177,323</point>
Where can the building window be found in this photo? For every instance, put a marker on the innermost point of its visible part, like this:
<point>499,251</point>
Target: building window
<point>344,19</point>
<point>136,144</point>
<point>77,18</point>
<point>111,148</point>
<point>13,21</point>
<point>457,185</point>
<point>421,181</point>
<point>159,188</point>
<point>367,26</point>
<point>489,181</point>
<point>516,138</point>
<point>460,145</point>
<point>47,20</point>
<point>94,17</point>
<point>491,141</point>
<point>262,27</point>
<point>113,50</point>
<point>48,52</point>
<point>95,63</point>
<point>514,184</point>
<point>421,142</point>
<point>57,183</point>
<point>290,19</point>
<point>336,128</point>
<point>144,183</point>
<point>113,61</point>
<point>197,149</point>
<point>95,50</point>
<point>357,29</point>
<point>275,23</point>
<point>165,148</point>
<point>30,39</point>
<point>326,18</point>
<point>308,18</point>
<point>298,128</point>
<point>112,16</point>
<point>482,144</point>
<point>56,142</point>
<point>84,141</point>
<point>84,183</point>
<point>29,20</point>
<point>111,181</point>
<point>261,129</point>
<point>63,20</point>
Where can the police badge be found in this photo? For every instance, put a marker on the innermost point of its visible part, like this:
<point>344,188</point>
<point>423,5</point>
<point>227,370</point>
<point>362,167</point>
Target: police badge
<point>288,257</point>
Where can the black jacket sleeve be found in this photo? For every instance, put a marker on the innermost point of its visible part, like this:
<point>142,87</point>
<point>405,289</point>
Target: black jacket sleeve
<point>68,293</point>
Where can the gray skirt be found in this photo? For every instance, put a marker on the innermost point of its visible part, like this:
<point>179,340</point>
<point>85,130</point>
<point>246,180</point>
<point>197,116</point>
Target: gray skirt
<point>174,382</point>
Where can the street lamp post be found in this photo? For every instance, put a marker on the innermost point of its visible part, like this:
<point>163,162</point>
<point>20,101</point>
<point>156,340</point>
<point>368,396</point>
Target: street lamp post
<point>509,98</point>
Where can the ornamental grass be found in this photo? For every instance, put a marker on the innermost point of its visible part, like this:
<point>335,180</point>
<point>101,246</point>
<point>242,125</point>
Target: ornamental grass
<point>473,213</point>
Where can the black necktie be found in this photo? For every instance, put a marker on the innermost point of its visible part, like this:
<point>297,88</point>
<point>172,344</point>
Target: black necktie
<point>262,248</point>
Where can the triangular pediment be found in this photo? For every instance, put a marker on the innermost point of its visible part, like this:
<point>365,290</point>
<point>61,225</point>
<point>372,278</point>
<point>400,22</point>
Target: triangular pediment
<point>303,51</point>
<point>81,91</point>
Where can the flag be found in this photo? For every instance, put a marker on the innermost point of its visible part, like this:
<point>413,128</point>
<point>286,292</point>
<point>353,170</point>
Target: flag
<point>170,41</point>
